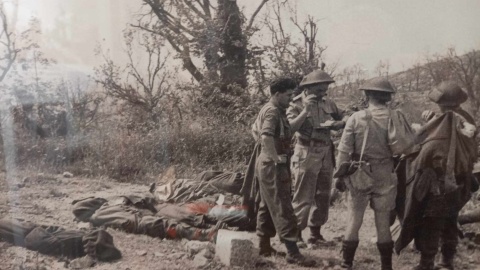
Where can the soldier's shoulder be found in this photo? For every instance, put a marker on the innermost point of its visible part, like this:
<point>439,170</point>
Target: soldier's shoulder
<point>359,114</point>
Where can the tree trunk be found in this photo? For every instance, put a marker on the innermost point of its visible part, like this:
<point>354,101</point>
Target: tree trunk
<point>233,45</point>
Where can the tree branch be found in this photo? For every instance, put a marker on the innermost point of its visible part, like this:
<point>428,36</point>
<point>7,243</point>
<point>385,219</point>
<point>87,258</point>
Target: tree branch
<point>252,19</point>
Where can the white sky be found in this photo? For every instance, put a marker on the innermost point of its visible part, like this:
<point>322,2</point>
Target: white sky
<point>355,31</point>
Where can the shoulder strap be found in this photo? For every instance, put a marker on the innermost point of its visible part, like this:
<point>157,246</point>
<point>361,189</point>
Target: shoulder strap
<point>368,117</point>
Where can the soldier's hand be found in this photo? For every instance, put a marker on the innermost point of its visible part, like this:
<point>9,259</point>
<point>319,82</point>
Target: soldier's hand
<point>337,125</point>
<point>340,184</point>
<point>310,103</point>
<point>427,115</point>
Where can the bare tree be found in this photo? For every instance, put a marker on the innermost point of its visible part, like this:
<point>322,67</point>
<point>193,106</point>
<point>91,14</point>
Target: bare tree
<point>382,68</point>
<point>351,78</point>
<point>142,86</point>
<point>284,55</point>
<point>8,48</point>
<point>214,32</point>
<point>465,69</point>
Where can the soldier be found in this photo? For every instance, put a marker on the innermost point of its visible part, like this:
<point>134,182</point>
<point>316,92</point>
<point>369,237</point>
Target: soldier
<point>370,136</point>
<point>442,179</point>
<point>312,115</point>
<point>275,213</point>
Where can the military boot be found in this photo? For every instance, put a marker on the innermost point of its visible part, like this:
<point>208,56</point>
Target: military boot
<point>386,251</point>
<point>348,253</point>
<point>315,236</point>
<point>426,262</point>
<point>266,249</point>
<point>448,255</point>
<point>300,242</point>
<point>295,257</point>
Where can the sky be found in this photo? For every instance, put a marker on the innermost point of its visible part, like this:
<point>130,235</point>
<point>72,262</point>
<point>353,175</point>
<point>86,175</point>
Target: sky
<point>354,31</point>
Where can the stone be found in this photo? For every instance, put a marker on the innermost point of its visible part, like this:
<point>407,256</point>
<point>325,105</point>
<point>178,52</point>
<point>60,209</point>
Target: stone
<point>83,225</point>
<point>141,252</point>
<point>176,256</point>
<point>200,261</point>
<point>158,254</point>
<point>82,263</point>
<point>67,175</point>
<point>236,248</point>
<point>207,253</point>
<point>194,247</point>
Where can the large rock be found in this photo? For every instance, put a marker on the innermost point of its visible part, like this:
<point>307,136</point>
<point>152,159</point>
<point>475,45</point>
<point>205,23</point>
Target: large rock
<point>236,248</point>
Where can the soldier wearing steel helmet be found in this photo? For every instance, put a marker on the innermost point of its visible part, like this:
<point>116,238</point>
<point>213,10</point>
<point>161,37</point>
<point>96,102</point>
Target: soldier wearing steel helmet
<point>368,133</point>
<point>441,178</point>
<point>312,115</point>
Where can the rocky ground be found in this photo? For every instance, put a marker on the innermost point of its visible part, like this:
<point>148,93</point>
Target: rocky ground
<point>46,199</point>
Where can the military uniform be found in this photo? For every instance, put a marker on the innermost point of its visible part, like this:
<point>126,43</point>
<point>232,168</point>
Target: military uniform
<point>441,184</point>
<point>373,136</point>
<point>377,153</point>
<point>312,161</point>
<point>275,212</point>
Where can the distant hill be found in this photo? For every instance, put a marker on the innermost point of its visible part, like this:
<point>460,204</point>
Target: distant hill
<point>413,85</point>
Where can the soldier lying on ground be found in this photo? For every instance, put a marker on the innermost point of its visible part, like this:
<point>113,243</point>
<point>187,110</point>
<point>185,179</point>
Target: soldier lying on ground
<point>143,216</point>
<point>54,240</point>
<point>207,183</point>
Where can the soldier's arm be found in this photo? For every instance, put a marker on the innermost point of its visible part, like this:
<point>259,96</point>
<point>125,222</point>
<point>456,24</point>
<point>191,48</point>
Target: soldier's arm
<point>297,121</point>
<point>296,115</point>
<point>269,148</point>
<point>347,142</point>
<point>269,126</point>
<point>339,116</point>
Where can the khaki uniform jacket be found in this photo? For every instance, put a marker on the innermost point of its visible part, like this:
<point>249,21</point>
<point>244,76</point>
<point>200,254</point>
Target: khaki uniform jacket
<point>326,110</point>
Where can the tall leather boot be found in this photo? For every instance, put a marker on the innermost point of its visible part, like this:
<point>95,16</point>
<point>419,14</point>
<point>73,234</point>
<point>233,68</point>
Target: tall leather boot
<point>386,251</point>
<point>315,235</point>
<point>348,253</point>
<point>266,249</point>
<point>428,242</point>
<point>426,262</point>
<point>295,257</point>
<point>448,255</point>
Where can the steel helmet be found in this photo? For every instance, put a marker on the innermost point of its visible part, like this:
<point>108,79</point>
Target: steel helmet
<point>316,76</point>
<point>448,93</point>
<point>378,84</point>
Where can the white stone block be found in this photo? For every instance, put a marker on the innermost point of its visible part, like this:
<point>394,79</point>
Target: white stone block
<point>236,248</point>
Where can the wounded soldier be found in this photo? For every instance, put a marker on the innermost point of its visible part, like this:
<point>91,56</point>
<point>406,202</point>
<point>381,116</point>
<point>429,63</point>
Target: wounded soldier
<point>54,240</point>
<point>142,216</point>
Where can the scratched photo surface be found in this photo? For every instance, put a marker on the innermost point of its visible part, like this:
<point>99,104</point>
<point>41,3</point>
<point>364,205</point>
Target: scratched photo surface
<point>239,134</point>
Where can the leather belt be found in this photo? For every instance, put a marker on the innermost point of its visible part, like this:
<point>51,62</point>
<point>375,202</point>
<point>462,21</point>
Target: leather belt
<point>373,160</point>
<point>313,143</point>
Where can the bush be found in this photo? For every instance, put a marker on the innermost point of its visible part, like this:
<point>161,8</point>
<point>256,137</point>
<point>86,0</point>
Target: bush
<point>139,155</point>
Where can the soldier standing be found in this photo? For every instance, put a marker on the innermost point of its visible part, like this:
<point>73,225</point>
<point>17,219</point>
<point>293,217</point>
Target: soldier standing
<point>366,138</point>
<point>442,179</point>
<point>312,115</point>
<point>275,213</point>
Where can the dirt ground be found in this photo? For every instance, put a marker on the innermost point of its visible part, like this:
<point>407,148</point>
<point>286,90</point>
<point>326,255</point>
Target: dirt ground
<point>46,199</point>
